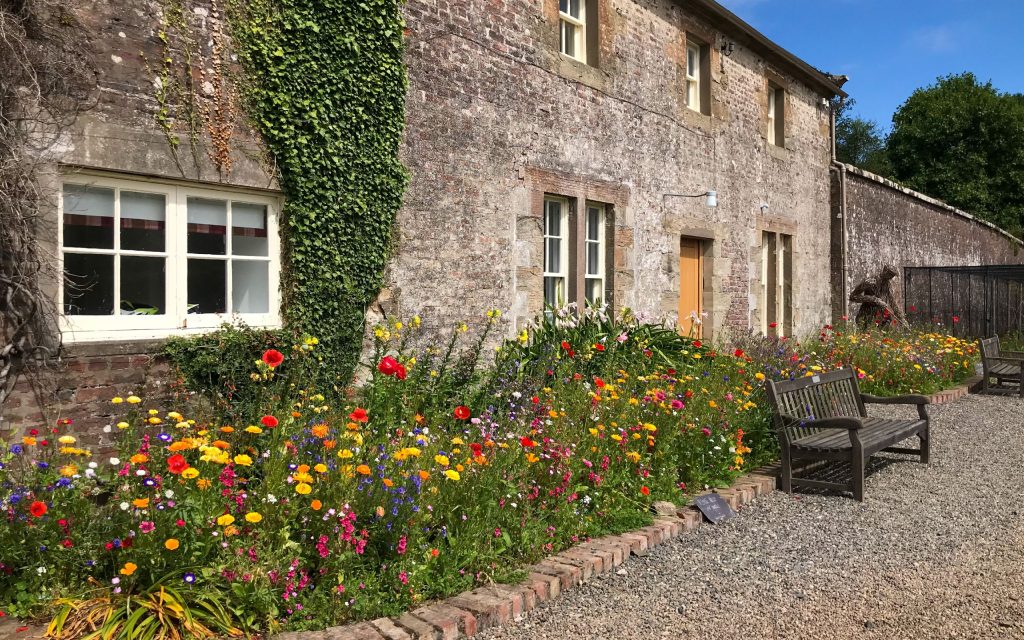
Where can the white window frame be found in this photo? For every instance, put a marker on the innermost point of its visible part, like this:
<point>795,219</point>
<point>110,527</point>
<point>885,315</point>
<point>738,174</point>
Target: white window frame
<point>176,320</point>
<point>577,25</point>
<point>774,93</point>
<point>693,85</point>
<point>782,313</point>
<point>563,249</point>
<point>599,241</point>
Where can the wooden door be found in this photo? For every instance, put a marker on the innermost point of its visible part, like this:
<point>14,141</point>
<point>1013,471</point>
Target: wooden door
<point>691,285</point>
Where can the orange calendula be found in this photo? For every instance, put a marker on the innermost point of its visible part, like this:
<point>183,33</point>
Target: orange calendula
<point>363,469</point>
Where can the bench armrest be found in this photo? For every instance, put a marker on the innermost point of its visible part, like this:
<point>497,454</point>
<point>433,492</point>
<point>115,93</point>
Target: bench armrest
<point>1016,361</point>
<point>824,423</point>
<point>910,399</point>
<point>1012,354</point>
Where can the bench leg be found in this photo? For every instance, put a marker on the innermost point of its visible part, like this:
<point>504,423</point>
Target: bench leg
<point>925,448</point>
<point>857,462</point>
<point>787,470</point>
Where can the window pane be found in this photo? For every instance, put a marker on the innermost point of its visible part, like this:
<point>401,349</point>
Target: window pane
<point>574,8</point>
<point>593,223</point>
<point>143,286</point>
<point>249,229</point>
<point>250,287</point>
<point>553,218</point>
<point>207,223</point>
<point>593,259</point>
<point>207,286</point>
<point>143,218</point>
<point>554,291</point>
<point>693,62</point>
<point>563,6</point>
<point>553,255</point>
<point>595,291</point>
<point>88,285</point>
<point>88,217</point>
<point>568,39</point>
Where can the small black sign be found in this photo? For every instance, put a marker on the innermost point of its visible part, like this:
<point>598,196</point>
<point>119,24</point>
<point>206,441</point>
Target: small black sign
<point>714,507</point>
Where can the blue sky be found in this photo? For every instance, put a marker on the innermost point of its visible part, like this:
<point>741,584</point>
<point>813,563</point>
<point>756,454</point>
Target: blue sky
<point>891,47</point>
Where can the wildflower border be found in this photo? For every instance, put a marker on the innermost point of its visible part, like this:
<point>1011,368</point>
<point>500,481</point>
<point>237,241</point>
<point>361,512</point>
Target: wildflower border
<point>471,612</point>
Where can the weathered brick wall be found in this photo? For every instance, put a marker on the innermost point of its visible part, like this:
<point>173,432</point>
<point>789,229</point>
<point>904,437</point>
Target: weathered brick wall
<point>890,224</point>
<point>491,103</point>
<point>81,385</point>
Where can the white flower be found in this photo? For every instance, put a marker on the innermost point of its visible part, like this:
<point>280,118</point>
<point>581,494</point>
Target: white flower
<point>168,494</point>
<point>124,506</point>
<point>40,570</point>
<point>271,498</point>
<point>92,465</point>
<point>115,461</point>
<point>89,473</point>
<point>108,429</point>
<point>140,472</point>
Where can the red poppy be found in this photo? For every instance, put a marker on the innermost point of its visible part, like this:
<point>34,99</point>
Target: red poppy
<point>644,490</point>
<point>688,394</point>
<point>37,509</point>
<point>599,346</point>
<point>359,415</point>
<point>33,432</point>
<point>478,449</point>
<point>67,543</point>
<point>526,442</point>
<point>273,358</point>
<point>566,345</point>
<point>269,422</point>
<point>388,366</point>
<point>698,344</point>
<point>738,353</point>
<point>599,382</point>
<point>462,412</point>
<point>535,400</point>
<point>401,373</point>
<point>956,319</point>
<point>177,463</point>
<point>772,325</point>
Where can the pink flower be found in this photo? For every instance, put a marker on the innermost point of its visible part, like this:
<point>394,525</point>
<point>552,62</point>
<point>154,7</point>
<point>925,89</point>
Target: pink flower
<point>146,526</point>
<point>706,432</point>
<point>403,577</point>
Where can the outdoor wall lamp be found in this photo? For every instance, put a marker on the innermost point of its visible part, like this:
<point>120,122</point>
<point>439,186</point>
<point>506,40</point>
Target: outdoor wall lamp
<point>711,197</point>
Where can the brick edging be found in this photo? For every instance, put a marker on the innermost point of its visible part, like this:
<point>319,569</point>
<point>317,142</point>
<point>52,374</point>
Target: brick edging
<point>950,395</point>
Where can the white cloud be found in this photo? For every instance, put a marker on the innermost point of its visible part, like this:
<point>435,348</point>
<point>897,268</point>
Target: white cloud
<point>939,39</point>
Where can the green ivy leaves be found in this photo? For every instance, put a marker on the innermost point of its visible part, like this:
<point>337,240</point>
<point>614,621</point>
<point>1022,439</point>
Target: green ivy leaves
<point>326,84</point>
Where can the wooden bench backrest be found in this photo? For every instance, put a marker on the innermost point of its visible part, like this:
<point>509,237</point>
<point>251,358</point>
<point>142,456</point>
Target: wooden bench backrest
<point>828,395</point>
<point>989,349</point>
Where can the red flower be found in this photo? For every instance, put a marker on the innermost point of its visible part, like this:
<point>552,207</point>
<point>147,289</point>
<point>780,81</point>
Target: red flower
<point>273,358</point>
<point>913,308</point>
<point>388,366</point>
<point>644,490</point>
<point>698,344</point>
<point>599,382</point>
<point>462,412</point>
<point>772,325</point>
<point>738,353</point>
<point>599,346</point>
<point>688,394</point>
<point>478,449</point>
<point>33,432</point>
<point>956,319</point>
<point>269,422</point>
<point>37,509</point>
<point>359,415</point>
<point>526,442</point>
<point>66,543</point>
<point>401,373</point>
<point>566,345</point>
<point>535,400</point>
<point>177,463</point>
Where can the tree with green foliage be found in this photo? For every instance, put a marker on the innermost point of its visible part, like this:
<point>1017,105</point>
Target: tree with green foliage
<point>963,141</point>
<point>859,141</point>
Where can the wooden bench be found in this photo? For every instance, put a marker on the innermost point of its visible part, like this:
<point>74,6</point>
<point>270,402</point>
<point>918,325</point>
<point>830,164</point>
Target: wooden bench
<point>1004,366</point>
<point>822,417</point>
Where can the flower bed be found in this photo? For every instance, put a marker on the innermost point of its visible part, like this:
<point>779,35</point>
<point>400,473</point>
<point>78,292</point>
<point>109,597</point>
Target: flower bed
<point>290,510</point>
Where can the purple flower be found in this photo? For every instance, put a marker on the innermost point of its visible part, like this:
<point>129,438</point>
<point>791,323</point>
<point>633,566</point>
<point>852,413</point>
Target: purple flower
<point>189,578</point>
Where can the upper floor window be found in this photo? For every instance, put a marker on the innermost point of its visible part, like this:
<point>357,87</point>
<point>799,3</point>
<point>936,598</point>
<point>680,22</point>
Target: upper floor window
<point>143,259</point>
<point>776,115</point>
<point>573,20</point>
<point>698,70</point>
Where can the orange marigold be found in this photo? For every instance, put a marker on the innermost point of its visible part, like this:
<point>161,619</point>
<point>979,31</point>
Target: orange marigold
<point>363,469</point>
<point>319,430</point>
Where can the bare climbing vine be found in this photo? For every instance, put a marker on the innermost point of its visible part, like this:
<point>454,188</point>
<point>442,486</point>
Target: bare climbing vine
<point>45,81</point>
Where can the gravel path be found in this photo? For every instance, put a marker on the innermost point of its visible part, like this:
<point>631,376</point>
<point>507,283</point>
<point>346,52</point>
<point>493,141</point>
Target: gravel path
<point>935,551</point>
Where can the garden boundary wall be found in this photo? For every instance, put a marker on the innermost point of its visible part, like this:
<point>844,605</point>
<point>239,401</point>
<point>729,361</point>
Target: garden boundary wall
<point>876,221</point>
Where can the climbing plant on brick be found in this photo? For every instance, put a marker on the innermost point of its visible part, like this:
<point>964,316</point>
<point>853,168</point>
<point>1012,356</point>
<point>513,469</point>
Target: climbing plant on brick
<point>325,84</point>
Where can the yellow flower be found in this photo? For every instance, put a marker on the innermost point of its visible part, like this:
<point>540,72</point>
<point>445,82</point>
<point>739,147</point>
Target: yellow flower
<point>531,458</point>
<point>442,460</point>
<point>122,425</point>
<point>303,489</point>
<point>302,476</point>
<point>243,460</point>
<point>66,440</point>
<point>451,474</point>
<point>152,412</point>
<point>134,399</point>
<point>633,456</point>
<point>759,376</point>
<point>203,483</point>
<point>616,437</point>
<point>68,470</point>
<point>320,468</point>
<point>712,404</point>
<point>253,429</point>
<point>171,544</point>
<point>457,440</point>
<point>117,400</point>
<point>345,453</point>
<point>174,415</point>
<point>190,473</point>
<point>593,431</point>
<point>226,520</point>
<point>128,568</point>
<point>253,517</point>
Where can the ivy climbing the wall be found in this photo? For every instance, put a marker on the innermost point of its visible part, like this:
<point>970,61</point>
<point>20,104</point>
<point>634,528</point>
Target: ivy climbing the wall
<point>325,84</point>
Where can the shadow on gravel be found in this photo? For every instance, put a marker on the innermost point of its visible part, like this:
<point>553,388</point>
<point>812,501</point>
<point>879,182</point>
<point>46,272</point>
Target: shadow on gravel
<point>842,472</point>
